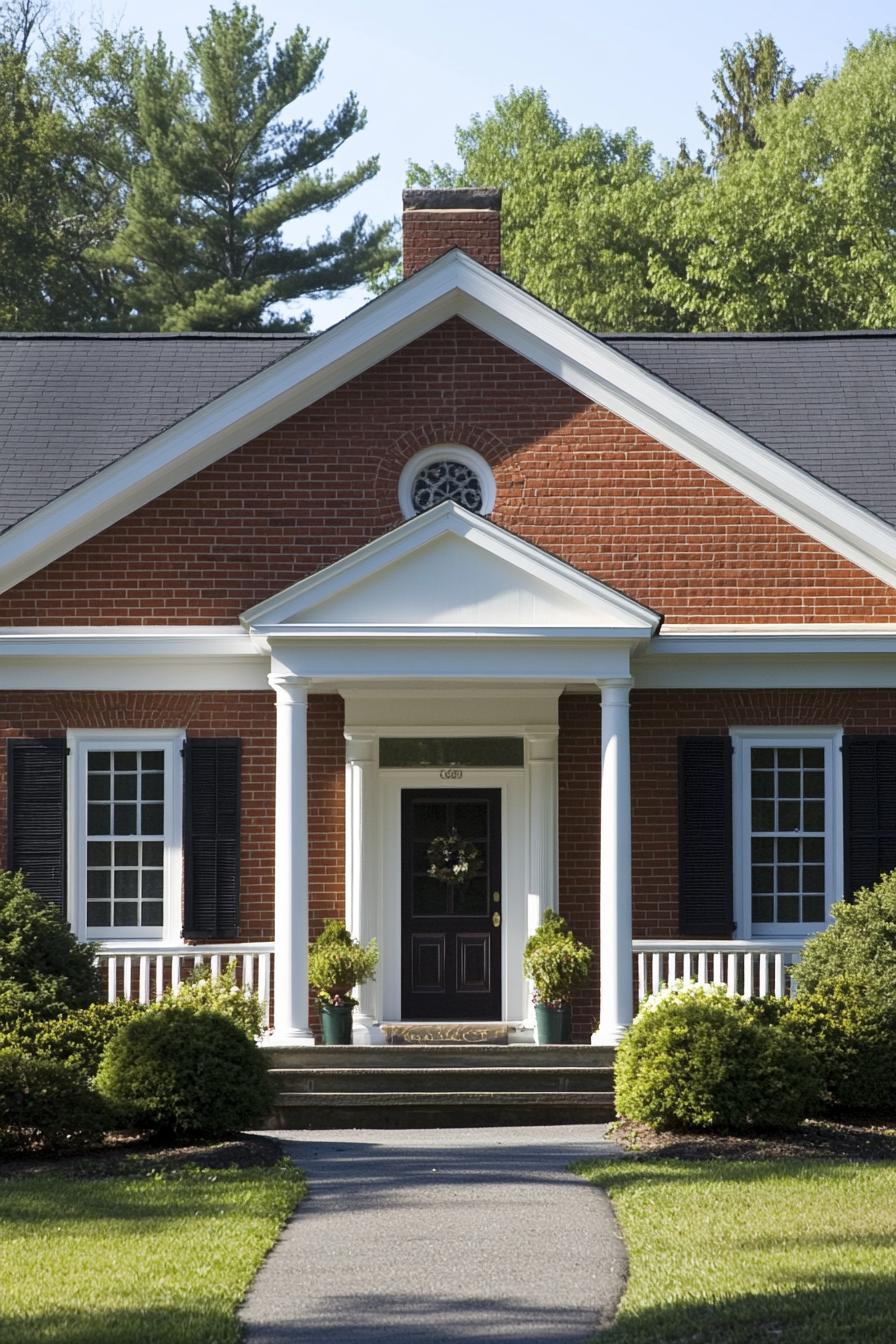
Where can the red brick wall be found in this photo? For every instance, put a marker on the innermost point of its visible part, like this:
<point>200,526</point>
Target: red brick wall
<point>571,477</point>
<point>427,235</point>
<point>250,716</point>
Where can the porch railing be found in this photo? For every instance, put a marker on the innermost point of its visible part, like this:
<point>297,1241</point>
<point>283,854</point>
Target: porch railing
<point>135,971</point>
<point>754,968</point>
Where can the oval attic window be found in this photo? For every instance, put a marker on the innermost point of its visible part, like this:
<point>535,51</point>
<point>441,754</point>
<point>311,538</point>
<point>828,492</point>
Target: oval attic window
<point>447,472</point>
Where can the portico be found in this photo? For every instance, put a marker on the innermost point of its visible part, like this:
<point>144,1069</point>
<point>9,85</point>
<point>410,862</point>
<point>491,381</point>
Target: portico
<point>452,639</point>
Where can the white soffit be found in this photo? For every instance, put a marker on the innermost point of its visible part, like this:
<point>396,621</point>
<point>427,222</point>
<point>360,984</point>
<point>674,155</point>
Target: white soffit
<point>447,571</point>
<point>455,285</point>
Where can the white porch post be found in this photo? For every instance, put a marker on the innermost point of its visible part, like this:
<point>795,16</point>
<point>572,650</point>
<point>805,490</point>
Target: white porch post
<point>542,894</point>
<point>361,893</point>
<point>291,865</point>
<point>615,866</point>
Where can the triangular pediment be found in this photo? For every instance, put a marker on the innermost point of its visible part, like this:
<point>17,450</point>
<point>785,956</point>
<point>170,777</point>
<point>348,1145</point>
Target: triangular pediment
<point>449,569</point>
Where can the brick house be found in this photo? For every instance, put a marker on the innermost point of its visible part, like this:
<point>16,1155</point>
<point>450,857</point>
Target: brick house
<point>620,611</point>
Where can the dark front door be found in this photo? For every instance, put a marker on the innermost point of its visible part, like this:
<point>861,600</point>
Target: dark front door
<point>451,905</point>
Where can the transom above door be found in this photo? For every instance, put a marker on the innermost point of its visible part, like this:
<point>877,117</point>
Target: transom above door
<point>451,904</point>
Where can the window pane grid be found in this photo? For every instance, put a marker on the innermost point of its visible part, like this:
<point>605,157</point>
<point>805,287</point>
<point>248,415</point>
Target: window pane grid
<point>125,838</point>
<point>788,841</point>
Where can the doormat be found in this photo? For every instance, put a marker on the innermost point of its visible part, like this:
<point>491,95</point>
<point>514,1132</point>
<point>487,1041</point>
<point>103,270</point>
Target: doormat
<point>446,1033</point>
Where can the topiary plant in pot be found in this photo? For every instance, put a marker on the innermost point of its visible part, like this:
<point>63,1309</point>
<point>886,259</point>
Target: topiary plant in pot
<point>337,962</point>
<point>558,964</point>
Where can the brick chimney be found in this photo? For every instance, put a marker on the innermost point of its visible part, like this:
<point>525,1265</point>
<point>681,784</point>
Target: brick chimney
<point>435,221</point>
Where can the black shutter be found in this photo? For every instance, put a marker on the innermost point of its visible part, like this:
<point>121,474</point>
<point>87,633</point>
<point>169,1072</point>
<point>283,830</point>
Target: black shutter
<point>869,807</point>
<point>705,859</point>
<point>211,837</point>
<point>36,815</point>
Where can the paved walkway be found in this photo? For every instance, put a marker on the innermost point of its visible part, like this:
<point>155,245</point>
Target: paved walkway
<point>450,1236</point>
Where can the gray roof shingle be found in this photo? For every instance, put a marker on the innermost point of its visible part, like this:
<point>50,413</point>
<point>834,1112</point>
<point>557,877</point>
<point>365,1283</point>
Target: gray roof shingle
<point>72,404</point>
<point>825,401</point>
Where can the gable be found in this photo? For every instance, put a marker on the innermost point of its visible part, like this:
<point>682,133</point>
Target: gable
<point>450,569</point>
<point>573,479</point>
<point>452,287</point>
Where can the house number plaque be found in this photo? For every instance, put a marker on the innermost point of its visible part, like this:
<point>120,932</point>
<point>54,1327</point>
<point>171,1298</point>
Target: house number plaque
<point>451,774</point>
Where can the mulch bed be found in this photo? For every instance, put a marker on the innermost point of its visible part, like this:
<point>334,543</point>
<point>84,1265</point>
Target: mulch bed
<point>128,1154</point>
<point>843,1141</point>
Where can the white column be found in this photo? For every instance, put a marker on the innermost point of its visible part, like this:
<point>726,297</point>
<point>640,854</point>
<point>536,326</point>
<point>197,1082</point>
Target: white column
<point>291,865</point>
<point>542,894</point>
<point>615,866</point>
<point>361,894</point>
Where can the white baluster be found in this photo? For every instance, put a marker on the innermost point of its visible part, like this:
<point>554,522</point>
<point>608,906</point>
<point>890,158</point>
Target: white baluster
<point>175,972</point>
<point>143,988</point>
<point>686,968</point>
<point>248,970</point>
<point>671,975</point>
<point>701,968</point>
<point>642,976</point>
<point>793,985</point>
<point>748,975</point>
<point>717,976</point>
<point>112,979</point>
<point>732,972</point>
<point>160,977</point>
<point>216,966</point>
<point>127,977</point>
<point>264,983</point>
<point>656,971</point>
<point>779,974</point>
<point>763,975</point>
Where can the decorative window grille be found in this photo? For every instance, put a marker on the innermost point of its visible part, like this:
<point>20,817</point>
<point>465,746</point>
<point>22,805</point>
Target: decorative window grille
<point>438,481</point>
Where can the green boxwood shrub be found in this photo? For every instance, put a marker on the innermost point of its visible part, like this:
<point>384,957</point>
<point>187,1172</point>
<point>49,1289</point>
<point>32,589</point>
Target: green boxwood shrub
<point>846,1001</point>
<point>46,1106</point>
<point>555,960</point>
<point>44,968</point>
<point>186,1075</point>
<point>77,1037</point>
<point>201,994</point>
<point>697,1058</point>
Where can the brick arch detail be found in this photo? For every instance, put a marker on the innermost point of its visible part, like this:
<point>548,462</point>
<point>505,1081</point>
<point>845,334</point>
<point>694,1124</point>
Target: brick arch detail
<point>465,434</point>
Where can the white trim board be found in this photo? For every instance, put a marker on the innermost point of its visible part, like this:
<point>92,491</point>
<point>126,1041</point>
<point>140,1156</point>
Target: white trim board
<point>455,285</point>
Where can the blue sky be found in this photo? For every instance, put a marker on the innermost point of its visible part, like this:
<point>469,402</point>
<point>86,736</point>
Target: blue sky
<point>420,67</point>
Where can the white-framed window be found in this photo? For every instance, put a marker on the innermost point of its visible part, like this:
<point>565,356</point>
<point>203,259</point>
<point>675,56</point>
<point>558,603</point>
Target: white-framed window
<point>125,842</point>
<point>787,829</point>
<point>446,471</point>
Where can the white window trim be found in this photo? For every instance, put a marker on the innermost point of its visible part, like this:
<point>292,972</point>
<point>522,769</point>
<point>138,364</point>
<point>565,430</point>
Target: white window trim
<point>169,740</point>
<point>830,738</point>
<point>442,452</point>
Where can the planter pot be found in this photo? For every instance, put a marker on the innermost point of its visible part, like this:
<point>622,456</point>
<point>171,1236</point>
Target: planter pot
<point>336,1023</point>
<point>553,1026</point>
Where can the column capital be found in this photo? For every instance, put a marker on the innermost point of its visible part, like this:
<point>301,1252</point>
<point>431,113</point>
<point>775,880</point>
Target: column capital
<point>291,690</point>
<point>543,745</point>
<point>359,747</point>
<point>615,690</point>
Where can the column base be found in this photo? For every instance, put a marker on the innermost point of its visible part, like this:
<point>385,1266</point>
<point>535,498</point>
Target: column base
<point>610,1036</point>
<point>279,1039</point>
<point>365,1031</point>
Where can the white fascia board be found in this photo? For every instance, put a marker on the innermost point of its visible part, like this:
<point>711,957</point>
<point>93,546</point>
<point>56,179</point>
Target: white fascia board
<point>766,640</point>
<point>127,658</point>
<point>275,635</point>
<point>454,285</point>
<point>447,518</point>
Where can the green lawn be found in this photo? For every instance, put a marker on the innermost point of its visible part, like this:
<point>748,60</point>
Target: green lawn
<point>135,1258</point>
<point>754,1252</point>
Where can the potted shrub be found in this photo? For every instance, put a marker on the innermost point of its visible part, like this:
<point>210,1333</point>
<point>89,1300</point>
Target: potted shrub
<point>557,963</point>
<point>336,963</point>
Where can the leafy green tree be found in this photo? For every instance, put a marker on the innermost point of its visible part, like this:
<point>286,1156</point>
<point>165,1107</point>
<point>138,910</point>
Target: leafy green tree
<point>218,174</point>
<point>577,208</point>
<point>753,74</point>
<point>800,234</point>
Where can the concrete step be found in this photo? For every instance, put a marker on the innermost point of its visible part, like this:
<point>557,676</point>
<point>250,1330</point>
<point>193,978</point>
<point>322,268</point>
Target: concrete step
<point>456,1080</point>
<point>438,1056</point>
<point>414,1110</point>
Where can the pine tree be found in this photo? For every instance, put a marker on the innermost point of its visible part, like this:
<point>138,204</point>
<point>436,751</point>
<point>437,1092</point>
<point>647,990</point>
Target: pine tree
<point>219,175</point>
<point>752,75</point>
